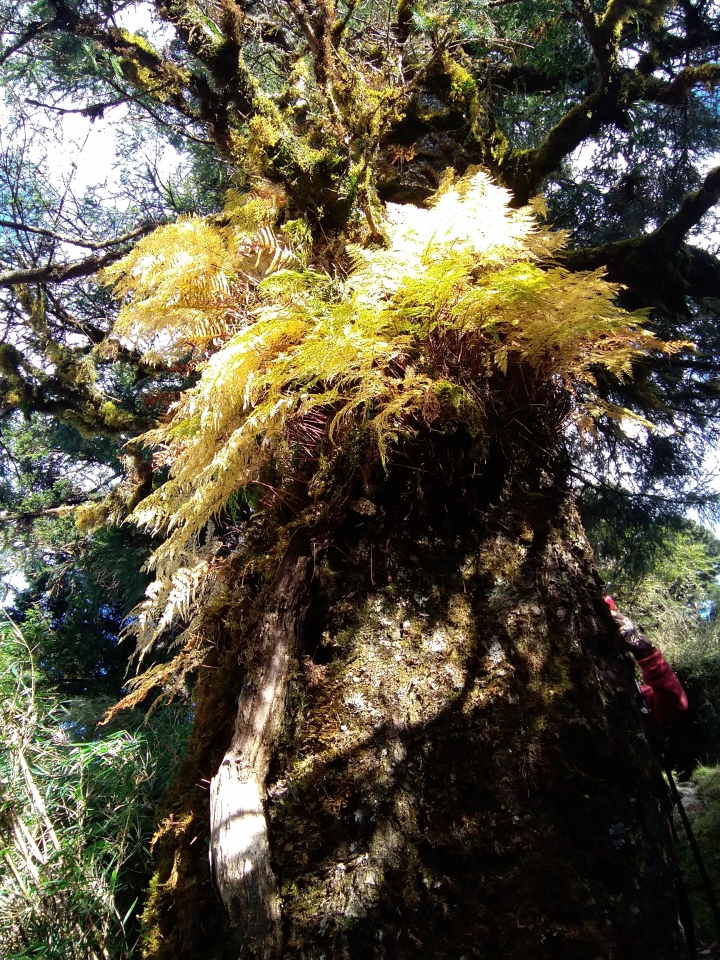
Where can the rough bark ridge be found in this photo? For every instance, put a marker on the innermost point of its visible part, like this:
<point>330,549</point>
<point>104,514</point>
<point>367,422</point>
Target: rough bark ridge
<point>468,776</point>
<point>462,770</point>
<point>239,847</point>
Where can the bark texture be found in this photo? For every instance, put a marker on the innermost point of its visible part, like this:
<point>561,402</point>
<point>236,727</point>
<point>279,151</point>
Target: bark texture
<point>462,770</point>
<point>239,848</point>
<point>468,776</point>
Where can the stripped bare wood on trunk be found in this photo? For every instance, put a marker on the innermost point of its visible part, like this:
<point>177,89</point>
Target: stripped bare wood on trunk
<point>240,857</point>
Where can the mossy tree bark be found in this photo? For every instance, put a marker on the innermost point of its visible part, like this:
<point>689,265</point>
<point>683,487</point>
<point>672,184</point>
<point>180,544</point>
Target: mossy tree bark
<point>462,770</point>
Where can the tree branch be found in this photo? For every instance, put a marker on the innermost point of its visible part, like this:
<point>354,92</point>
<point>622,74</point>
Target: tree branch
<point>72,405</point>
<point>618,12</point>
<point>26,515</point>
<point>526,78</point>
<point>167,77</point>
<point>666,45</point>
<point>92,110</point>
<point>59,273</point>
<point>670,93</point>
<point>75,241</point>
<point>403,21</point>
<point>341,25</point>
<point>707,366</point>
<point>523,171</point>
<point>604,31</point>
<point>602,50</point>
<point>692,209</point>
<point>233,84</point>
<point>654,272</point>
<point>32,31</point>
<point>303,17</point>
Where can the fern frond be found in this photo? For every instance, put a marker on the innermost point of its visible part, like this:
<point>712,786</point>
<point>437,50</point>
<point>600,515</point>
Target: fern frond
<point>457,297</point>
<point>170,678</point>
<point>177,594</point>
<point>191,282</point>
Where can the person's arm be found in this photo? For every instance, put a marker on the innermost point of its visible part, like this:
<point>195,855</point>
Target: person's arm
<point>661,688</point>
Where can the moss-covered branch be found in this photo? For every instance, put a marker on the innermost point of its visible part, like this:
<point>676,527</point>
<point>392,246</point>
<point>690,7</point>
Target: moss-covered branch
<point>403,22</point>
<point>524,171</point>
<point>141,65</point>
<point>227,90</point>
<point>692,209</point>
<point>91,415</point>
<point>671,93</point>
<point>319,23</point>
<point>618,12</point>
<point>67,394</point>
<point>213,93</point>
<point>693,262</point>
<point>659,269</point>
<point>26,515</point>
<point>604,30</point>
<point>655,271</point>
<point>342,23</point>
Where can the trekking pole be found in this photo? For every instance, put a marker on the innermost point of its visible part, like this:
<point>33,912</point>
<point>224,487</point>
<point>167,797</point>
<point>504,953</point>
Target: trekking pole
<point>665,766</point>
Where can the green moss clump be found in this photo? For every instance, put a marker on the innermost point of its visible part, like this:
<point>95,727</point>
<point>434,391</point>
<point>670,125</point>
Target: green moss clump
<point>10,359</point>
<point>463,90</point>
<point>137,40</point>
<point>112,416</point>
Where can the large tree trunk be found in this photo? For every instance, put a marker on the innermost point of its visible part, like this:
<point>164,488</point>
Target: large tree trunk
<point>462,771</point>
<point>469,776</point>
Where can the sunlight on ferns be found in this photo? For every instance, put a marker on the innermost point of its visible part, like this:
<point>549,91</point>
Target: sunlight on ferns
<point>465,289</point>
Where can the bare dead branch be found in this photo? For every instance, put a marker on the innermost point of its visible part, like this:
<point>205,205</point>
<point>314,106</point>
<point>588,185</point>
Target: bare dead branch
<point>76,241</point>
<point>92,110</point>
<point>59,272</point>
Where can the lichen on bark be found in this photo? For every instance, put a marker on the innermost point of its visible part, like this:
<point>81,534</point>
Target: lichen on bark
<point>467,776</point>
<point>462,770</point>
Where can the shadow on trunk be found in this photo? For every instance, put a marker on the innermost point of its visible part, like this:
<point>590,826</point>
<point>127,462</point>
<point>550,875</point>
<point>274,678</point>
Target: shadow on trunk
<point>461,771</point>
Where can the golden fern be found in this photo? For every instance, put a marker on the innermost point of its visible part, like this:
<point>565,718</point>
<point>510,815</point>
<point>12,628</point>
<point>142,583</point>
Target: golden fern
<point>464,270</point>
<point>182,597</point>
<point>191,283</point>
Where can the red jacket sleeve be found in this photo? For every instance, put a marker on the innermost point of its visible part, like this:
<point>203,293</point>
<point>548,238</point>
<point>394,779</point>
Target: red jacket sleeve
<point>663,691</point>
